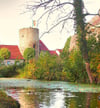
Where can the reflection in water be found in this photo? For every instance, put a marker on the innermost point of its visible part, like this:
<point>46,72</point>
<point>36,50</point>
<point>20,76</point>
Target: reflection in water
<point>51,99</point>
<point>46,98</point>
<point>88,98</point>
<point>28,100</point>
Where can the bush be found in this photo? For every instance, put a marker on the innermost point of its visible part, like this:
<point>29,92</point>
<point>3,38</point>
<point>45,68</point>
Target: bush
<point>74,67</point>
<point>28,70</point>
<point>48,67</point>
<point>10,70</point>
<point>66,48</point>
<point>7,101</point>
<point>94,56</point>
<point>29,53</point>
<point>95,67</point>
<point>4,53</point>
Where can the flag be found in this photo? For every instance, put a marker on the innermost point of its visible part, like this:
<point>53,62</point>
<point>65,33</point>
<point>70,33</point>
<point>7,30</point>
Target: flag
<point>33,23</point>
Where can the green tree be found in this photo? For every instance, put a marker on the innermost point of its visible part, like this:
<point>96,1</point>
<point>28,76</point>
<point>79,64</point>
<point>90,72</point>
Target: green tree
<point>67,44</point>
<point>77,12</point>
<point>45,62</point>
<point>74,67</point>
<point>49,67</point>
<point>93,45</point>
<point>81,32</point>
<point>65,51</point>
<point>29,53</point>
<point>4,53</point>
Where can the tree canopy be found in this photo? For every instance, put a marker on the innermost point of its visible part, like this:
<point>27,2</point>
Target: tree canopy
<point>29,53</point>
<point>4,53</point>
<point>77,12</point>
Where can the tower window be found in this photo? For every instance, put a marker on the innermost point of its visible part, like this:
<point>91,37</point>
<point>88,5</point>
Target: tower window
<point>34,46</point>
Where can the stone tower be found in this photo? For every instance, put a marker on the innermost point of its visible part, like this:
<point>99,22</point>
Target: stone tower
<point>29,38</point>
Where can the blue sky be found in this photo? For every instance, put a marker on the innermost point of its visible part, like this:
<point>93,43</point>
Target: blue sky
<point>11,20</point>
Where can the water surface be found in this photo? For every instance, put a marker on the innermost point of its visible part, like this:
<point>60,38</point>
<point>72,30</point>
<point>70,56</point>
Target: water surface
<point>55,94</point>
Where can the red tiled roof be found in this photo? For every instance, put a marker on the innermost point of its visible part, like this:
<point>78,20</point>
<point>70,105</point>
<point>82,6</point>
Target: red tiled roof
<point>56,52</point>
<point>15,53</point>
<point>60,50</point>
<point>42,46</point>
<point>53,52</point>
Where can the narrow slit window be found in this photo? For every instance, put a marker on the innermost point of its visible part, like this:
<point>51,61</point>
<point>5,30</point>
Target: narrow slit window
<point>34,46</point>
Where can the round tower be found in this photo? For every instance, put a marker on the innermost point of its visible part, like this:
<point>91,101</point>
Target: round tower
<point>29,38</point>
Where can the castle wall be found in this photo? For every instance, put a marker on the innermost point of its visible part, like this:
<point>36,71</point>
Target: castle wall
<point>73,43</point>
<point>29,38</point>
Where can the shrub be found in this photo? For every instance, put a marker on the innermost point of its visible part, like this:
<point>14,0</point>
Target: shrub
<point>48,67</point>
<point>7,101</point>
<point>74,67</point>
<point>94,56</point>
<point>28,70</point>
<point>4,53</point>
<point>95,67</point>
<point>29,53</point>
<point>66,48</point>
<point>10,70</point>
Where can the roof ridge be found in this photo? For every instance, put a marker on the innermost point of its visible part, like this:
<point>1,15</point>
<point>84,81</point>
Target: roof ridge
<point>7,45</point>
<point>43,44</point>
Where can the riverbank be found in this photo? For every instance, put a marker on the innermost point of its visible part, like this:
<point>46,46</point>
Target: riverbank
<point>7,101</point>
<point>51,94</point>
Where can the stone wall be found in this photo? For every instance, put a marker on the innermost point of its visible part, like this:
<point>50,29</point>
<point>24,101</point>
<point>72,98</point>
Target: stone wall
<point>94,29</point>
<point>29,38</point>
<point>73,43</point>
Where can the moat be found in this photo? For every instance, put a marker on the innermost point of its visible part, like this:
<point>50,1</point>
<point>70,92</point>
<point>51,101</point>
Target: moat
<point>54,94</point>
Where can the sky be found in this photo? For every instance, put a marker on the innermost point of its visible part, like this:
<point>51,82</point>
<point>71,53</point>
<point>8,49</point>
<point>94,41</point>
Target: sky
<point>13,18</point>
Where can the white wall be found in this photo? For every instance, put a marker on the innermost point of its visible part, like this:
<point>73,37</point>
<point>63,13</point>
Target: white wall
<point>10,61</point>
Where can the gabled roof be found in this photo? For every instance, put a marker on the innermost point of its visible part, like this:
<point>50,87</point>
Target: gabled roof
<point>42,46</point>
<point>60,50</point>
<point>15,53</point>
<point>53,52</point>
<point>56,52</point>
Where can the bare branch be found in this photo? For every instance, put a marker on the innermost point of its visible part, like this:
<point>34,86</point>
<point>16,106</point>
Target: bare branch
<point>55,26</point>
<point>50,11</point>
<point>51,6</point>
<point>87,14</point>
<point>45,4</point>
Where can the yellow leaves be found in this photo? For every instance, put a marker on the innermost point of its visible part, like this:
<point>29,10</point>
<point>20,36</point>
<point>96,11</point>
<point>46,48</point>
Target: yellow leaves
<point>63,74</point>
<point>98,77</point>
<point>47,73</point>
<point>94,75</point>
<point>98,68</point>
<point>95,63</point>
<point>29,70</point>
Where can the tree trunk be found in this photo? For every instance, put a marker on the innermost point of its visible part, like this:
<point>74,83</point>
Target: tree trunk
<point>89,72</point>
<point>81,32</point>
